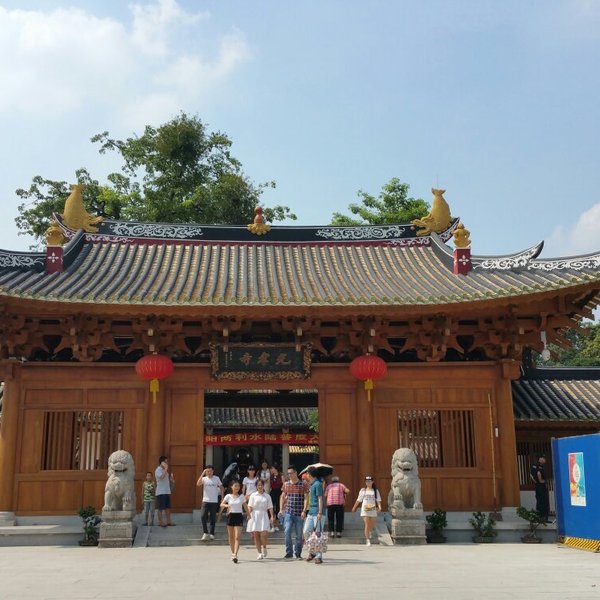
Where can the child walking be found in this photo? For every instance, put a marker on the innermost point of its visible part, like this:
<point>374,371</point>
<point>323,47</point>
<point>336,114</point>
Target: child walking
<point>148,493</point>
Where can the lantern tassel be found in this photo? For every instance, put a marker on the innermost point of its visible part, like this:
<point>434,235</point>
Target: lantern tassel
<point>153,389</point>
<point>369,387</point>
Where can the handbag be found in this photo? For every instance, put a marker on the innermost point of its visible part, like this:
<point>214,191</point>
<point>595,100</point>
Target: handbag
<point>317,541</point>
<point>369,502</point>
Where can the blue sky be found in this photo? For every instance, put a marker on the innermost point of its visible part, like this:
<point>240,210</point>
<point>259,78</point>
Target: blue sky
<point>497,102</point>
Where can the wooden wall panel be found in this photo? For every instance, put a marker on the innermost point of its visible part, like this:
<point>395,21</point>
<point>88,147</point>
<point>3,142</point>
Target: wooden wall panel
<point>340,454</point>
<point>184,441</point>
<point>51,496</point>
<point>430,495</point>
<point>339,419</point>
<point>184,454</point>
<point>93,493</point>
<point>346,475</point>
<point>115,397</point>
<point>31,441</point>
<point>185,486</point>
<point>184,417</point>
<point>386,434</point>
<point>475,493</point>
<point>54,397</point>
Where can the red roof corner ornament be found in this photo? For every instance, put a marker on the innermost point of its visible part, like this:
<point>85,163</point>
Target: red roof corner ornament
<point>54,248</point>
<point>368,368</point>
<point>154,367</point>
<point>462,252</point>
<point>259,227</point>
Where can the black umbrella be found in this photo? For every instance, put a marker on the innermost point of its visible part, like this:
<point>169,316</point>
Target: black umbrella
<point>323,470</point>
<point>230,473</point>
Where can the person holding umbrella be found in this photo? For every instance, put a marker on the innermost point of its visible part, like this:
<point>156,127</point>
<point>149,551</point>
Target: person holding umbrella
<point>314,508</point>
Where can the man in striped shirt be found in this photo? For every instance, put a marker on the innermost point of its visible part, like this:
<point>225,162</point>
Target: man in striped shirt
<point>292,506</point>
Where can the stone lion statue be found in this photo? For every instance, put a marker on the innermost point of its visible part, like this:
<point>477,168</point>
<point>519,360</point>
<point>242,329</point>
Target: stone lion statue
<point>119,493</point>
<point>406,486</point>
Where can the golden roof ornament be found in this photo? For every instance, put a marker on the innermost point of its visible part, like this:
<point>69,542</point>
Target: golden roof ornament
<point>461,236</point>
<point>54,235</point>
<point>75,216</point>
<point>259,227</point>
<point>438,219</point>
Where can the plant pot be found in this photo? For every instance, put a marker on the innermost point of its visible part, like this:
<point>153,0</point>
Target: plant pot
<point>88,542</point>
<point>436,538</point>
<point>483,539</point>
<point>533,539</point>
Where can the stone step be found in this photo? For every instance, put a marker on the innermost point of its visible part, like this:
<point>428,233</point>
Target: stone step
<point>68,530</point>
<point>191,535</point>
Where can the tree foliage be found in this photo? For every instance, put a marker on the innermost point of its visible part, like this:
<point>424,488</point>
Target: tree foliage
<point>178,172</point>
<point>584,350</point>
<point>393,205</point>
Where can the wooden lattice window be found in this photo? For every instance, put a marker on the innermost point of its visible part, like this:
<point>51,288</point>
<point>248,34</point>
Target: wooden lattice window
<point>80,440</point>
<point>439,438</point>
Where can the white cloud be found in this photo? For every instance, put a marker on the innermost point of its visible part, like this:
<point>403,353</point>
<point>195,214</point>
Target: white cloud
<point>153,23</point>
<point>56,62</point>
<point>189,70</point>
<point>582,237</point>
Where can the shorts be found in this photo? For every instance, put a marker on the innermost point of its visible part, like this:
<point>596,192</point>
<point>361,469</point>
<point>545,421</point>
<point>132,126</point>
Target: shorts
<point>163,501</point>
<point>235,520</point>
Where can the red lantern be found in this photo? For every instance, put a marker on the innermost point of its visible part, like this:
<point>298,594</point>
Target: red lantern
<point>367,368</point>
<point>154,367</point>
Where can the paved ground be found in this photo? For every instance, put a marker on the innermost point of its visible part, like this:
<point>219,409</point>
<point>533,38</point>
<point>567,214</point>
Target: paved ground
<point>463,571</point>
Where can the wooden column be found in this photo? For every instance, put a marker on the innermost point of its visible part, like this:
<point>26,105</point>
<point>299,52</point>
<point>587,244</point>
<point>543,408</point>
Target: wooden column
<point>507,441</point>
<point>155,431</point>
<point>365,436</point>
<point>8,436</point>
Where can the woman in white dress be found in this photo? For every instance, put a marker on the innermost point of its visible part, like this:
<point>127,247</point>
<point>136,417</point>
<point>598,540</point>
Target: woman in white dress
<point>261,518</point>
<point>235,503</point>
<point>369,499</point>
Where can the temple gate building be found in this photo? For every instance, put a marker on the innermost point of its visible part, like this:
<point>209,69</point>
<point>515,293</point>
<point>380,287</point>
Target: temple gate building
<point>271,317</point>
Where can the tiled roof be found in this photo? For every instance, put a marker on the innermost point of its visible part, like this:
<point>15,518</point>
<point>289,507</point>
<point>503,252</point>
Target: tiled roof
<point>257,418</point>
<point>351,271</point>
<point>556,400</point>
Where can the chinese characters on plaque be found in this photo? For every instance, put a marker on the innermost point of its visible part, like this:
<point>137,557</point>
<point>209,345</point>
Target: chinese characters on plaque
<point>260,361</point>
<point>235,439</point>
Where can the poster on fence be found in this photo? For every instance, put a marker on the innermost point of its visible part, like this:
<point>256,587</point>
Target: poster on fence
<point>576,479</point>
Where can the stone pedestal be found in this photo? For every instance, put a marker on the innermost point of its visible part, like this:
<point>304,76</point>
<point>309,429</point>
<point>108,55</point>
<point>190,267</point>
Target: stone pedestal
<point>408,527</point>
<point>117,529</point>
<point>7,519</point>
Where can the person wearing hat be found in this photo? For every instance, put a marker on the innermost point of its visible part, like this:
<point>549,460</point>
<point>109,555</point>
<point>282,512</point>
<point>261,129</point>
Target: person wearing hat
<point>369,499</point>
<point>542,498</point>
<point>335,496</point>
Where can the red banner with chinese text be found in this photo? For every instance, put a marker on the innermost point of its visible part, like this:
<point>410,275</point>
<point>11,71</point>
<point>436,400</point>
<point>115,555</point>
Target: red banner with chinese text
<point>244,439</point>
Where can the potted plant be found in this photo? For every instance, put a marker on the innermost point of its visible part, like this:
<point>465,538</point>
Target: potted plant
<point>535,520</point>
<point>437,522</point>
<point>484,527</point>
<point>91,526</point>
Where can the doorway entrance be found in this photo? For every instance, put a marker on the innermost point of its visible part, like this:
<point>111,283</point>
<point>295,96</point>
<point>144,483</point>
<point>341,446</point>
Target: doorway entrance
<point>251,426</point>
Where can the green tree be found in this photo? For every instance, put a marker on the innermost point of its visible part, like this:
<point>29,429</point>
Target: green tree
<point>178,172</point>
<point>391,206</point>
<point>584,350</point>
